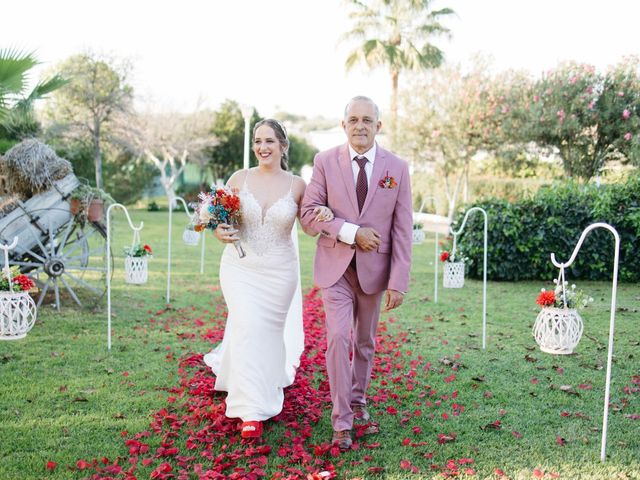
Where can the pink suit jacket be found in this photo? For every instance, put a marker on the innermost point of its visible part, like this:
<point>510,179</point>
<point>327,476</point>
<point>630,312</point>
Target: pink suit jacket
<point>388,210</point>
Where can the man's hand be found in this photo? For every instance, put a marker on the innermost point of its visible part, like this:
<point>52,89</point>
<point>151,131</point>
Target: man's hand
<point>394,299</point>
<point>367,239</point>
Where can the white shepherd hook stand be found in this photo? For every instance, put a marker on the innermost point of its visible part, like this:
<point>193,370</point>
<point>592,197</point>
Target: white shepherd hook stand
<point>135,231</point>
<point>612,320</point>
<point>186,210</point>
<point>436,224</point>
<point>484,268</point>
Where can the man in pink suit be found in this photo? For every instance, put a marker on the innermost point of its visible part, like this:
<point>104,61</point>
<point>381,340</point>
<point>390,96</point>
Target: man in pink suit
<point>363,252</point>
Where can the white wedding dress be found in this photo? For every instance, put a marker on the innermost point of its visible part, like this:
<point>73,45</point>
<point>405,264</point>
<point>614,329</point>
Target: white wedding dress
<point>263,337</point>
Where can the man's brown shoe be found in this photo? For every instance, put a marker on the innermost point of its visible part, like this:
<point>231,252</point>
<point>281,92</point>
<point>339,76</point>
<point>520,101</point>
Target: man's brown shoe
<point>342,439</point>
<point>360,413</point>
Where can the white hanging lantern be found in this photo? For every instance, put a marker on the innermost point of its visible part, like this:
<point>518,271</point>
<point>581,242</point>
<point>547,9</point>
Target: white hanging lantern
<point>191,237</point>
<point>136,270</point>
<point>17,315</point>
<point>558,330</point>
<point>453,275</point>
<point>418,236</point>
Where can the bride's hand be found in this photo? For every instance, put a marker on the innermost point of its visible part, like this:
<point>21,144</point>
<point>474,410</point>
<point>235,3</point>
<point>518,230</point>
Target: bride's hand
<point>323,214</point>
<point>226,233</point>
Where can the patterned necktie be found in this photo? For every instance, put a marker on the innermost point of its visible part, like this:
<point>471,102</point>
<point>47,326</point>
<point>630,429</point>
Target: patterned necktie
<point>361,182</point>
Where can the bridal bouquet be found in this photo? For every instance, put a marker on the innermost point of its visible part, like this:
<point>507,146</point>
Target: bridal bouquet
<point>220,205</point>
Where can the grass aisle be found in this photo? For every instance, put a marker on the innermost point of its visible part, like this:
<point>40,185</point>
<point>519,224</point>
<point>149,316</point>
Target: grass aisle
<point>70,409</point>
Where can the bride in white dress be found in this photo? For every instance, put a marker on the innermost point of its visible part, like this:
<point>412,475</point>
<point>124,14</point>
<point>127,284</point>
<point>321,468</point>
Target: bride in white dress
<point>263,337</point>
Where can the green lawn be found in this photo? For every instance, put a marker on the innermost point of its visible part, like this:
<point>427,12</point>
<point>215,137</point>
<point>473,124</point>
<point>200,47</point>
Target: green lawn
<point>64,397</point>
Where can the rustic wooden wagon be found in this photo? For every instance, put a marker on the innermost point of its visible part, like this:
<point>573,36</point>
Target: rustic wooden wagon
<point>64,253</point>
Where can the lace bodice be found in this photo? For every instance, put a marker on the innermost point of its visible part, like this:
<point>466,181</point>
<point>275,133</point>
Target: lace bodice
<point>274,230</point>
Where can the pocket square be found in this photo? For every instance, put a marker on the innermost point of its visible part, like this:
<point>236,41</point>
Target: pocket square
<point>388,182</point>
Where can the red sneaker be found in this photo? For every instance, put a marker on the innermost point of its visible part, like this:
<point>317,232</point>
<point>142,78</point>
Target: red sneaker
<point>251,429</point>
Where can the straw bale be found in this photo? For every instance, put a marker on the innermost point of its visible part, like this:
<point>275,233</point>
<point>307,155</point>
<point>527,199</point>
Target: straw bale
<point>32,167</point>
<point>8,204</point>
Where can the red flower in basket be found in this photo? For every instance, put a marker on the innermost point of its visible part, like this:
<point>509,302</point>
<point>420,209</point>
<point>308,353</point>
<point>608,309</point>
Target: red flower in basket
<point>444,256</point>
<point>147,249</point>
<point>547,298</point>
<point>24,282</point>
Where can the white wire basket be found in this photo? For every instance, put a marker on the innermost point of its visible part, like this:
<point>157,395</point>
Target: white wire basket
<point>17,315</point>
<point>453,275</point>
<point>136,270</point>
<point>558,330</point>
<point>418,236</point>
<point>191,237</point>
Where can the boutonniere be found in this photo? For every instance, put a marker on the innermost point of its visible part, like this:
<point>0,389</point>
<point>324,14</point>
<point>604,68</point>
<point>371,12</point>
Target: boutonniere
<point>388,182</point>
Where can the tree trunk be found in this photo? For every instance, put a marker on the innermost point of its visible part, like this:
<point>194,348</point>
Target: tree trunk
<point>394,108</point>
<point>97,158</point>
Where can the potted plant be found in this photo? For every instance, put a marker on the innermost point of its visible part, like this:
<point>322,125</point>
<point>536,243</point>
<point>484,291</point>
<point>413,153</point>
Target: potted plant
<point>418,234</point>
<point>17,308</point>
<point>558,327</point>
<point>89,201</point>
<point>135,263</point>
<point>453,268</point>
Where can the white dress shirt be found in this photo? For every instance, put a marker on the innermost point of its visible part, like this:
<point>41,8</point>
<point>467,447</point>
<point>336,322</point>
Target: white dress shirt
<point>347,233</point>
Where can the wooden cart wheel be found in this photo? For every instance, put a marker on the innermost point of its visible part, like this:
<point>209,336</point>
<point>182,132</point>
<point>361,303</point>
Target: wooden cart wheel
<point>67,262</point>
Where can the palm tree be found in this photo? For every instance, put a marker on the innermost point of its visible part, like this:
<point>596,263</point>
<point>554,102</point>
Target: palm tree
<point>395,34</point>
<point>16,106</point>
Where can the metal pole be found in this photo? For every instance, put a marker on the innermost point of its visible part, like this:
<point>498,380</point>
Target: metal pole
<point>484,273</point>
<point>202,253</point>
<point>484,285</point>
<point>186,211</point>
<point>168,297</point>
<point>247,119</point>
<point>109,263</point>
<point>612,318</point>
<point>435,263</point>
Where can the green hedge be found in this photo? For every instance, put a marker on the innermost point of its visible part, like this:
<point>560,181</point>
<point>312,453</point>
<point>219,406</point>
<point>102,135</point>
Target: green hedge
<point>522,235</point>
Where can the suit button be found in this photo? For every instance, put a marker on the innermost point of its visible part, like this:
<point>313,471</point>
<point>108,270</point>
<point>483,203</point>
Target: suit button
<point>353,246</point>
<point>324,232</point>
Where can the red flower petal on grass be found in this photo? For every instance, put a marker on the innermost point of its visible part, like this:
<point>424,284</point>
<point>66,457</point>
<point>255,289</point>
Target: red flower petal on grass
<point>499,472</point>
<point>51,465</point>
<point>538,473</point>
<point>82,464</point>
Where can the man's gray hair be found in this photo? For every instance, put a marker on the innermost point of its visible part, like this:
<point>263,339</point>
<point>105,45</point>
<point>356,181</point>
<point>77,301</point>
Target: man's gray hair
<point>362,98</point>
